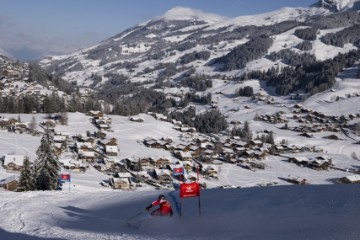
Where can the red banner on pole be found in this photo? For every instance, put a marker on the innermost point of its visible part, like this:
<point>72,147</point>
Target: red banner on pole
<point>189,190</point>
<point>65,177</point>
<point>178,171</point>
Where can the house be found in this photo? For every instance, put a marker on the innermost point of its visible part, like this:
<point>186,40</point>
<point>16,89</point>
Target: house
<point>97,114</point>
<point>163,175</point>
<point>13,162</point>
<point>161,162</point>
<point>10,183</point>
<point>353,179</point>
<point>121,181</point>
<point>320,163</point>
<point>184,156</point>
<point>111,150</point>
<point>59,138</point>
<point>210,171</point>
<point>299,160</point>
<point>75,166</point>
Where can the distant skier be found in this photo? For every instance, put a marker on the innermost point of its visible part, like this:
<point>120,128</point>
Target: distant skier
<point>164,209</point>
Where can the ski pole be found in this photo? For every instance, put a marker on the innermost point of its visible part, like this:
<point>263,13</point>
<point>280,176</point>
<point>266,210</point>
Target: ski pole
<point>138,214</point>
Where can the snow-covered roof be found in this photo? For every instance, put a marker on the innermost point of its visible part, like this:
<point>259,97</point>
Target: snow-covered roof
<point>9,179</point>
<point>353,178</point>
<point>113,149</point>
<point>18,160</point>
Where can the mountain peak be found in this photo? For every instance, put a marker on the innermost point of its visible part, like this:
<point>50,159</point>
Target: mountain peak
<point>183,13</point>
<point>340,5</point>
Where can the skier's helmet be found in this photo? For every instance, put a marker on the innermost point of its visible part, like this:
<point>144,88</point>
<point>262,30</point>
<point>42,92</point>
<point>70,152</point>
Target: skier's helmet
<point>161,196</point>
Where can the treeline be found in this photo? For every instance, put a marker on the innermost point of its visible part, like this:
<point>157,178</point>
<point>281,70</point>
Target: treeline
<point>244,92</point>
<point>39,75</point>
<point>49,104</point>
<point>238,58</point>
<point>308,34</point>
<point>244,133</point>
<point>305,46</point>
<point>143,101</point>
<point>208,122</point>
<point>347,35</point>
<point>310,78</point>
<point>194,56</point>
<point>197,82</point>
<point>291,58</point>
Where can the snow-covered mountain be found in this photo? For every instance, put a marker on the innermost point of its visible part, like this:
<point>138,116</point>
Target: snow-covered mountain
<point>340,5</point>
<point>186,39</point>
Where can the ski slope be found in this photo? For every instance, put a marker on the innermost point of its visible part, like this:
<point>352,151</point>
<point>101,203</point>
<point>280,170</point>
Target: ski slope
<point>286,212</point>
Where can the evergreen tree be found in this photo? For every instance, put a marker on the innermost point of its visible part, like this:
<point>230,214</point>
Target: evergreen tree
<point>26,182</point>
<point>33,125</point>
<point>47,164</point>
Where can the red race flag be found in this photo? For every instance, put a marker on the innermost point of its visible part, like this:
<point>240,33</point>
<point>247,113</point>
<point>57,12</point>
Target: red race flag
<point>189,190</point>
<point>178,170</point>
<point>65,177</point>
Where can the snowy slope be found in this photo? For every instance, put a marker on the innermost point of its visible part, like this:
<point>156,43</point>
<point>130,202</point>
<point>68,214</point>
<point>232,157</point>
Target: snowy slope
<point>281,213</point>
<point>340,5</point>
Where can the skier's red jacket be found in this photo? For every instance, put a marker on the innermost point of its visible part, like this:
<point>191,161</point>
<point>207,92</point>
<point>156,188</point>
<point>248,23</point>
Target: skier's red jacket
<point>164,208</point>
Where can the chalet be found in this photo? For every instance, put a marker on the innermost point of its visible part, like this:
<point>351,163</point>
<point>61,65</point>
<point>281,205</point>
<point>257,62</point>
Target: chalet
<point>87,155</point>
<point>153,144</point>
<point>4,123</point>
<point>184,156</point>
<point>299,160</point>
<point>353,179</point>
<point>48,123</point>
<point>163,175</point>
<point>210,171</point>
<point>188,165</point>
<point>10,183</point>
<point>293,180</point>
<point>145,162</point>
<point>161,162</point>
<point>109,162</point>
<point>111,150</point>
<point>75,166</point>
<point>21,127</point>
<point>121,181</point>
<point>13,163</point>
<point>320,164</point>
<point>97,114</point>
<point>59,138</point>
<point>83,146</point>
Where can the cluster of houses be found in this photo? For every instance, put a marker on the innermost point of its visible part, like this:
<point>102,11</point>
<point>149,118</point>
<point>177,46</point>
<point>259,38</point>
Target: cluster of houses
<point>100,121</point>
<point>309,121</point>
<point>318,163</point>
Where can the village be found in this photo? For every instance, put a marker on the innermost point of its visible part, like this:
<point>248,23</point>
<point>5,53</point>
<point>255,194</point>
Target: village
<point>198,154</point>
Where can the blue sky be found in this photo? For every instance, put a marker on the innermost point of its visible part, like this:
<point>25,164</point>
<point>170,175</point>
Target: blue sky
<point>31,29</point>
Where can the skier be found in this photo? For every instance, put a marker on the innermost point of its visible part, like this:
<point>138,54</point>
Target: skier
<point>164,209</point>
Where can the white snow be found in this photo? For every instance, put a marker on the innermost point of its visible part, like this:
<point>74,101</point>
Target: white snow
<point>182,13</point>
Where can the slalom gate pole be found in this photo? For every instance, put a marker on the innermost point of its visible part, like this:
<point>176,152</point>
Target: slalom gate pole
<point>179,194</point>
<point>199,206</point>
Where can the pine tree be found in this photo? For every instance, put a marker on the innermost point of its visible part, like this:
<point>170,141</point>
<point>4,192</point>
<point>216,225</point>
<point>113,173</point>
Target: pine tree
<point>47,164</point>
<point>26,182</point>
<point>32,126</point>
